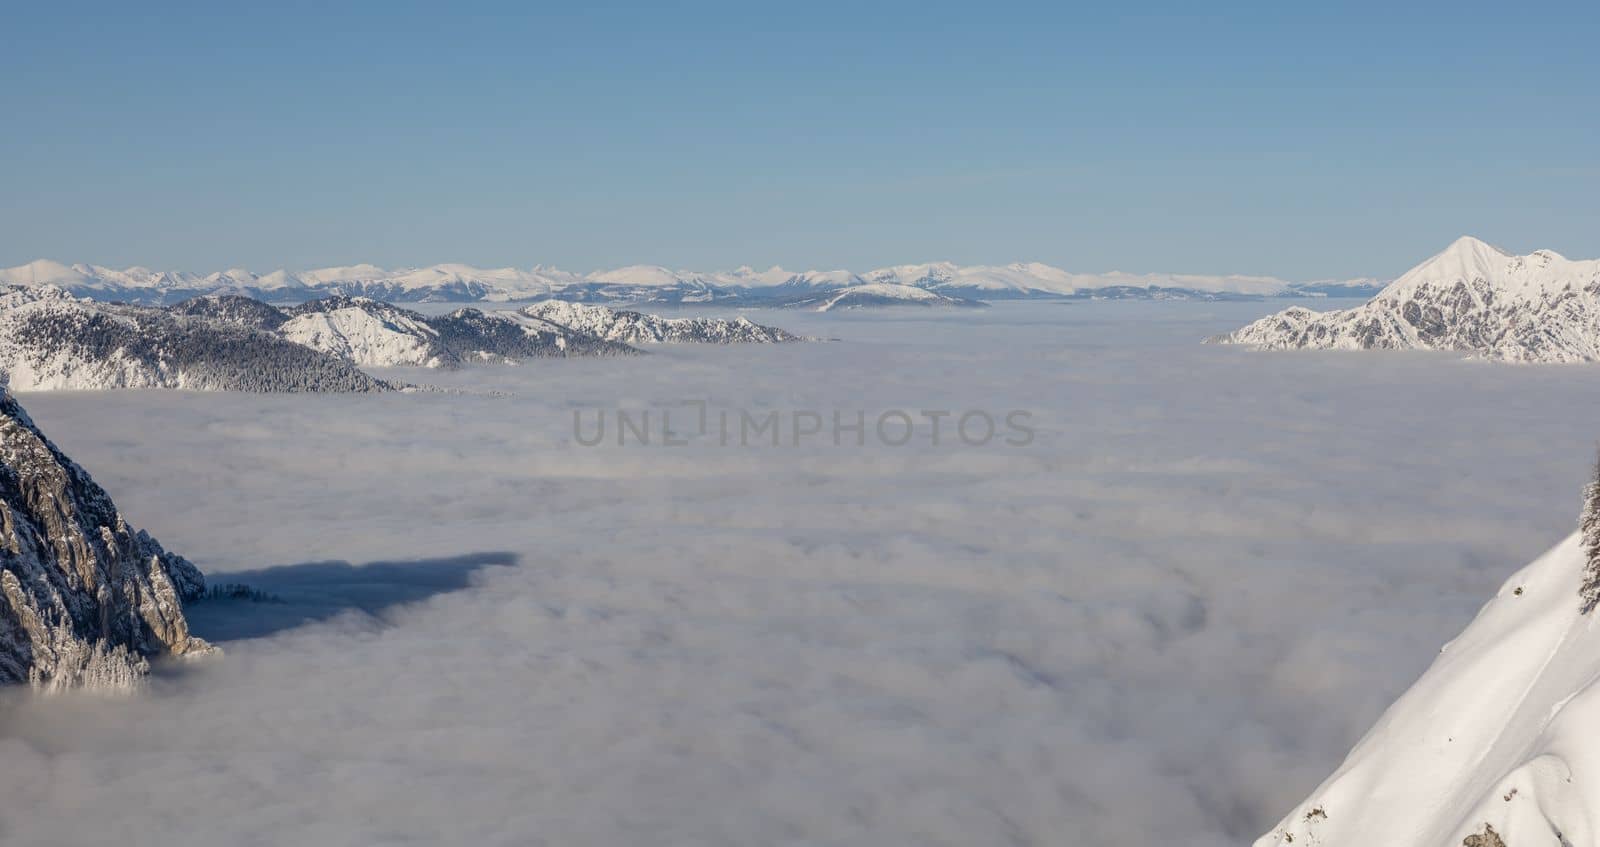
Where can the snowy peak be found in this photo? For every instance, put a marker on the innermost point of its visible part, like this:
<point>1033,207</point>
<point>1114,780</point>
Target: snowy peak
<point>44,272</point>
<point>1466,258</point>
<point>364,331</point>
<point>1475,263</point>
<point>925,275</point>
<point>1468,250</point>
<point>1471,298</point>
<point>648,275</point>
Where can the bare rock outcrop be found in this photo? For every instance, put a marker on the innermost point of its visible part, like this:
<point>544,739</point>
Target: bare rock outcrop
<point>85,599</point>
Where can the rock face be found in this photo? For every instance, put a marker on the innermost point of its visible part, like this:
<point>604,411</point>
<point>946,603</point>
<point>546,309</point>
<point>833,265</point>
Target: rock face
<point>52,340</point>
<point>1471,298</point>
<point>1496,743</point>
<point>637,328</point>
<point>85,599</point>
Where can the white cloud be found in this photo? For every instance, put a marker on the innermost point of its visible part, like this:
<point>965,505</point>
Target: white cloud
<point>1163,622</point>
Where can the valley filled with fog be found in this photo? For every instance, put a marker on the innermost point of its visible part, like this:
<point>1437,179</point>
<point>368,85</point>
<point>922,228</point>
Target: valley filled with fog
<point>1163,620</point>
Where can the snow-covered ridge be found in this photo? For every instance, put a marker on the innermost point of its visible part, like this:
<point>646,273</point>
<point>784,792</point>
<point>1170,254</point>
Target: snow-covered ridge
<point>375,334</point>
<point>1495,745</point>
<point>1471,298</point>
<point>636,328</point>
<point>635,283</point>
<point>52,340</point>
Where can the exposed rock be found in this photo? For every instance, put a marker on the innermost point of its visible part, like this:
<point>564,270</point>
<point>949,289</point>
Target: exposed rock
<point>85,599</point>
<point>1470,298</point>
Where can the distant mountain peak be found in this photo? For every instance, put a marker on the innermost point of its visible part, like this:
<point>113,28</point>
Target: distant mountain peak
<point>1471,297</point>
<point>1472,245</point>
<point>630,284</point>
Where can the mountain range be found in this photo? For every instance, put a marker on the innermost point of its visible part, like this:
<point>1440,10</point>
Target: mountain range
<point>649,283</point>
<point>50,339</point>
<point>628,327</point>
<point>1471,298</point>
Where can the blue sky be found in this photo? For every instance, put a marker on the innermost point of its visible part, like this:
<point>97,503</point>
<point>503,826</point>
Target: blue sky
<point>1299,140</point>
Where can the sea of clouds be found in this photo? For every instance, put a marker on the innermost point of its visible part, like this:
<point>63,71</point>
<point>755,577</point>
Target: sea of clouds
<point>1164,620</point>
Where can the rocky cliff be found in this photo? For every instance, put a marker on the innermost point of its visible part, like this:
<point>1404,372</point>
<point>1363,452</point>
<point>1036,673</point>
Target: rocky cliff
<point>85,599</point>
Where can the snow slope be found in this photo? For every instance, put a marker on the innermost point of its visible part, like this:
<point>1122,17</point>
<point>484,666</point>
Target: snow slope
<point>1496,740</point>
<point>366,332</point>
<point>1470,298</point>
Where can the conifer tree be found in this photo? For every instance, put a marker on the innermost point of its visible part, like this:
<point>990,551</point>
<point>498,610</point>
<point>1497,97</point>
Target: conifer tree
<point>1589,541</point>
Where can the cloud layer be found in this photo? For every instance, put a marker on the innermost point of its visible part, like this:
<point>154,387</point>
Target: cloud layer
<point>1162,622</point>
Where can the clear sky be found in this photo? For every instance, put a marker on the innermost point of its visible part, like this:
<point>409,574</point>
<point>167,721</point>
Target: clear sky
<point>1303,140</point>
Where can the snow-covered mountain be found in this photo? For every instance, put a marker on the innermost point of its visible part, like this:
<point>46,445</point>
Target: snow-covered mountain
<point>448,282</point>
<point>371,333</point>
<point>364,331</point>
<point>52,340</point>
<point>1495,745</point>
<point>640,283</point>
<point>876,294</point>
<point>636,328</point>
<point>1470,298</point>
<point>84,598</point>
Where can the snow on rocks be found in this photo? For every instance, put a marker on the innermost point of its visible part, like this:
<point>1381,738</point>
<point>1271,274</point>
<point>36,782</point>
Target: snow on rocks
<point>52,340</point>
<point>1471,298</point>
<point>85,599</point>
<point>637,328</point>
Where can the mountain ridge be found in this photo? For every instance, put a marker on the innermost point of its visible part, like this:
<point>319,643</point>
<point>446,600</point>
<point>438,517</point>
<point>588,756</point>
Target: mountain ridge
<point>1471,298</point>
<point>50,339</point>
<point>456,282</point>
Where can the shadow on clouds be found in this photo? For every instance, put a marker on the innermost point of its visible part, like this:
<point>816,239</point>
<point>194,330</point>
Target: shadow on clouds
<point>288,596</point>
